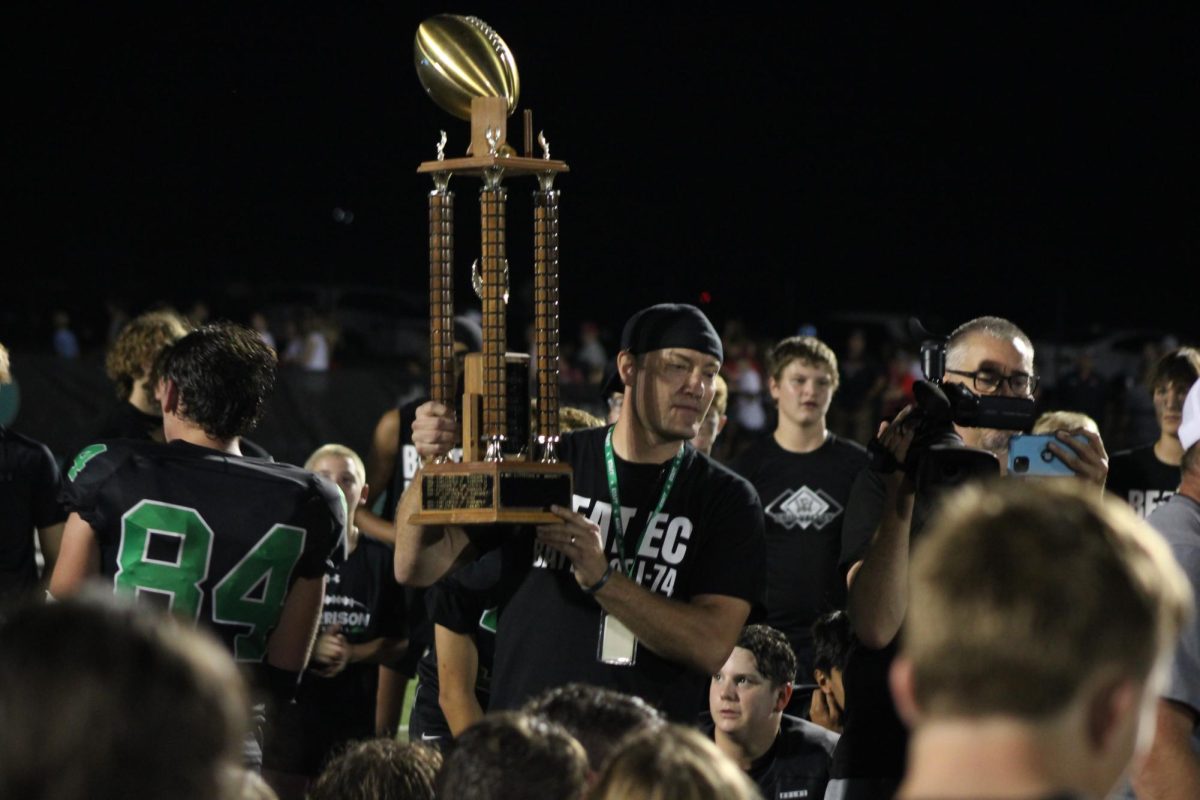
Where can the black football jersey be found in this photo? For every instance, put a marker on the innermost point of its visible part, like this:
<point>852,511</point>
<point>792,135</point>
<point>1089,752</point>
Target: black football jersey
<point>213,537</point>
<point>29,488</point>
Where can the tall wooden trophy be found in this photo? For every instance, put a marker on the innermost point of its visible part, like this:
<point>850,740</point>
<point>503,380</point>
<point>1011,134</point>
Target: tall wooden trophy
<point>506,475</point>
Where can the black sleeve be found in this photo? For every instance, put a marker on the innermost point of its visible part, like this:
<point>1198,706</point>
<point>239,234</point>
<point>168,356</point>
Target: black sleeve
<point>47,485</point>
<point>457,601</point>
<point>864,511</point>
<point>323,517</point>
<point>86,478</point>
<point>732,560</point>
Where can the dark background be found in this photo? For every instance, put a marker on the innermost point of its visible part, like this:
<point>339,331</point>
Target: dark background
<point>789,161</point>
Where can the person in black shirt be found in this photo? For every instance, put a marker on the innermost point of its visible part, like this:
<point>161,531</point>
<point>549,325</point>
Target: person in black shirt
<point>649,601</point>
<point>803,474</point>
<point>833,642</point>
<point>454,674</point>
<point>29,487</point>
<point>392,461</point>
<point>129,364</point>
<point>1146,477</point>
<point>362,627</point>
<point>787,757</point>
<point>237,544</point>
<point>989,355</point>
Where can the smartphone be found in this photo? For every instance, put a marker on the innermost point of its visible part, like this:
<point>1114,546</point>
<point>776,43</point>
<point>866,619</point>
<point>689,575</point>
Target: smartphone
<point>1030,454</point>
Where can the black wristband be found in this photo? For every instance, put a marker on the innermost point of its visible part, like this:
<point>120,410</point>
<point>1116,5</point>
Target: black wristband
<point>598,585</point>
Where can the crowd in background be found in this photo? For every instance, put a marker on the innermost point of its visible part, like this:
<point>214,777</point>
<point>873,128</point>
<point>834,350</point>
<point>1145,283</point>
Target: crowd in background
<point>575,740</point>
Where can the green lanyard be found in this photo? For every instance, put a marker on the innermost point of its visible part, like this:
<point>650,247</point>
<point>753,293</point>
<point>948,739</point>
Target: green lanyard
<point>610,465</point>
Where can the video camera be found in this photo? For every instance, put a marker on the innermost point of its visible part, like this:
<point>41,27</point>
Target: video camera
<point>937,459</point>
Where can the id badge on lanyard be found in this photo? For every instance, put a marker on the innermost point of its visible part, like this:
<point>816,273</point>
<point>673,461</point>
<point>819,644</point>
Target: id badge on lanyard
<point>616,645</point>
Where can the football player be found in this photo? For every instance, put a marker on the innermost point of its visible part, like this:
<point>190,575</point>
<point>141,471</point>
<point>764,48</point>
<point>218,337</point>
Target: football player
<point>240,545</point>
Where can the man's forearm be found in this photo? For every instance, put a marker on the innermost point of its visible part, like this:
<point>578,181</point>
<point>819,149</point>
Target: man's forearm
<point>1171,770</point>
<point>424,553</point>
<point>699,634</point>
<point>879,594</point>
<point>458,671</point>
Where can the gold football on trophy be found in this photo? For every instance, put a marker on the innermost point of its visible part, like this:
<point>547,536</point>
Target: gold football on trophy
<point>459,58</point>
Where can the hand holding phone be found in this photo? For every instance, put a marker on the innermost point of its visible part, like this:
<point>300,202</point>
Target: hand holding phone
<point>1030,454</point>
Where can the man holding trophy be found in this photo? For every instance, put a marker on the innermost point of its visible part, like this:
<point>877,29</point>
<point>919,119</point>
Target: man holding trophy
<point>629,559</point>
<point>650,600</point>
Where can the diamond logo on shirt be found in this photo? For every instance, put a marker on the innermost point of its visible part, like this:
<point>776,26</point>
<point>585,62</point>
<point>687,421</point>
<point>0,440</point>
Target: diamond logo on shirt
<point>804,508</point>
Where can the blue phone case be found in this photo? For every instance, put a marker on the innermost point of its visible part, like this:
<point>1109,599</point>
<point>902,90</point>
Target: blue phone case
<point>1028,454</point>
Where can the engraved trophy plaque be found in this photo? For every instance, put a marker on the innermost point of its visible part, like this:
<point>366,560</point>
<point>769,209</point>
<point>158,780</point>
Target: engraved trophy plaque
<point>510,471</point>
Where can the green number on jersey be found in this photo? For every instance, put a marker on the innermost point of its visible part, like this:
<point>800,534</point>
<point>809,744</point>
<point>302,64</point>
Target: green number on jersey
<point>180,579</point>
<point>85,455</point>
<point>253,592</point>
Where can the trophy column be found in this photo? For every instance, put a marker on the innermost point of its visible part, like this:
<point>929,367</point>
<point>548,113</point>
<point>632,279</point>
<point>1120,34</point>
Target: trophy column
<point>494,280</point>
<point>441,292</point>
<point>545,298</point>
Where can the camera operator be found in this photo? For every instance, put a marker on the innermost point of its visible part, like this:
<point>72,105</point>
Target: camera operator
<point>991,357</point>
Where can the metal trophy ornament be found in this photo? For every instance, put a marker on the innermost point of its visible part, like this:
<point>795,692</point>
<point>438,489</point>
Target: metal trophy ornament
<point>510,471</point>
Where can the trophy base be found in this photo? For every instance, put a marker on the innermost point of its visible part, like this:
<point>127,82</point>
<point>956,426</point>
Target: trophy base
<point>487,493</point>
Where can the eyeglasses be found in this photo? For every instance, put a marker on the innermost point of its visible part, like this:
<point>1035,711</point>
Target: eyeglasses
<point>987,381</point>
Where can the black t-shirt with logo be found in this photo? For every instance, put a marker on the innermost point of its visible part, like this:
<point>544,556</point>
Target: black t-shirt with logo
<point>363,599</point>
<point>214,537</point>
<point>796,765</point>
<point>707,540</point>
<point>804,498</point>
<point>29,487</point>
<point>1140,479</point>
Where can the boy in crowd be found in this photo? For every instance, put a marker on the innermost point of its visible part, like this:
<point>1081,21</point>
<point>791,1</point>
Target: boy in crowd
<point>1145,477</point>
<point>362,627</point>
<point>786,756</point>
<point>803,474</point>
<point>1040,620</point>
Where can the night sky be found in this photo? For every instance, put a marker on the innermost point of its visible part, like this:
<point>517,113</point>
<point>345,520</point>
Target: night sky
<point>788,161</point>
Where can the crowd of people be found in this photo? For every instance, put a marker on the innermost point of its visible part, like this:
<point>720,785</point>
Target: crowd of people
<point>800,615</point>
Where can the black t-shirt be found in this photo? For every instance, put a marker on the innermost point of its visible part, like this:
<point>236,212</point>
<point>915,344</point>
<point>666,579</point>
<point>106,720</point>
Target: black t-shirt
<point>364,600</point>
<point>466,602</point>
<point>707,540</point>
<point>871,752</point>
<point>29,486</point>
<point>804,497</point>
<point>1140,479</point>
<point>797,764</point>
<point>874,740</point>
<point>407,462</point>
<point>214,537</point>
